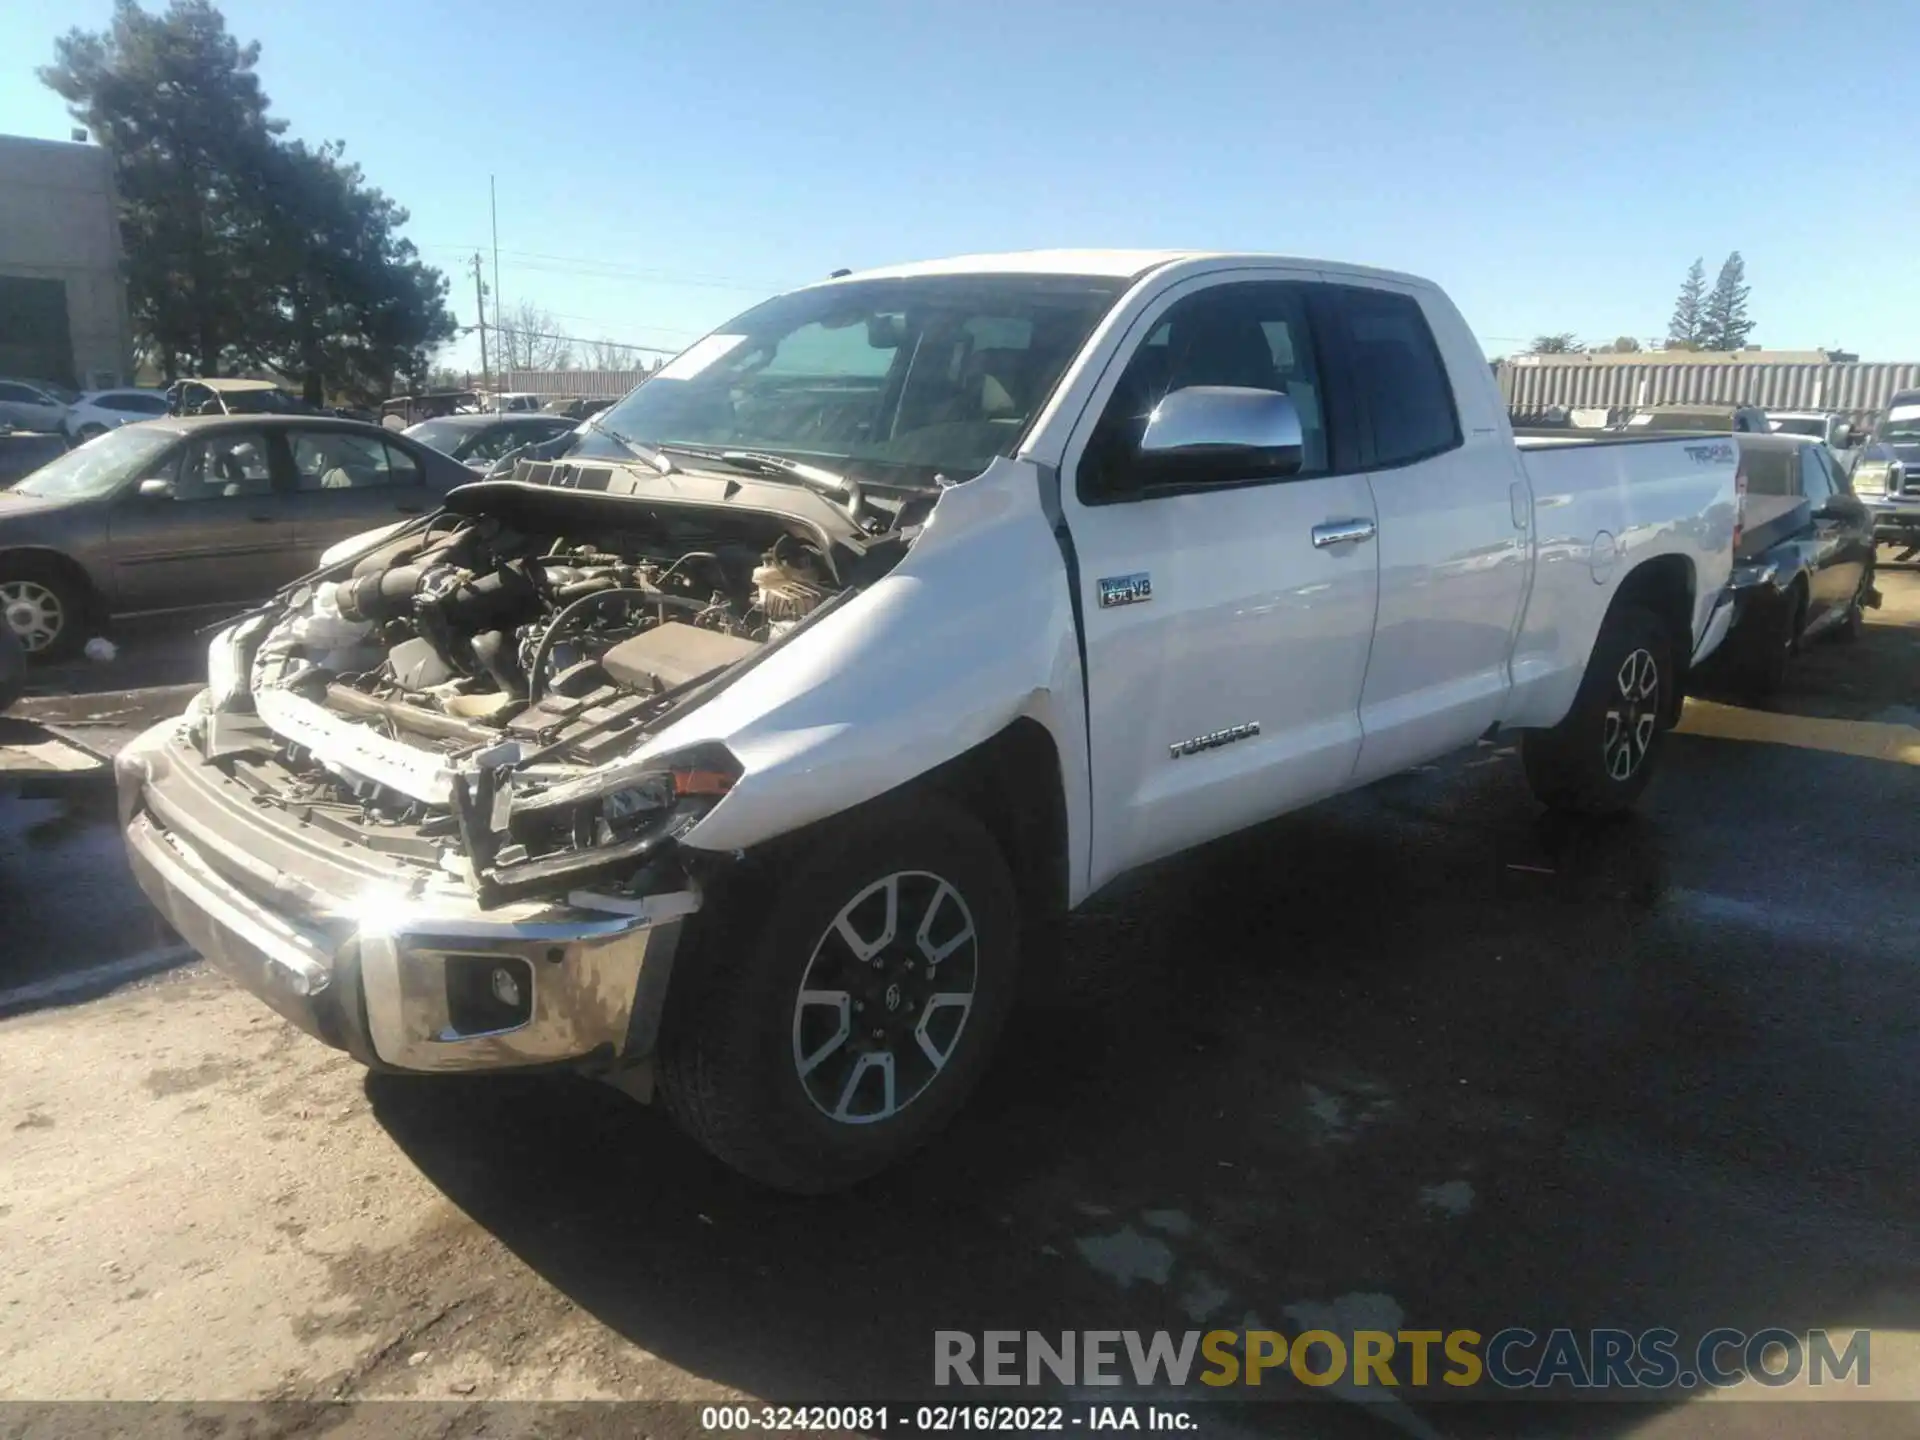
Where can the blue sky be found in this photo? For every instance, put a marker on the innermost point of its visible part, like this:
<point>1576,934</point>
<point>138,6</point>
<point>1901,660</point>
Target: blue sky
<point>1555,165</point>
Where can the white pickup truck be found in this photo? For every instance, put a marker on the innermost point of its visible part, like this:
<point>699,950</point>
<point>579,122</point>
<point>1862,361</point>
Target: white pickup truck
<point>742,746</point>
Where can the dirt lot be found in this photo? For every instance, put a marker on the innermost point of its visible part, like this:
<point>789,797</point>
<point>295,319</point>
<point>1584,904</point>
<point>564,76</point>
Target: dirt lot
<point>1416,1056</point>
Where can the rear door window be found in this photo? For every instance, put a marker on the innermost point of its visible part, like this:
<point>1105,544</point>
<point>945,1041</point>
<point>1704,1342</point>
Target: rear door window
<point>1406,401</point>
<point>343,460</point>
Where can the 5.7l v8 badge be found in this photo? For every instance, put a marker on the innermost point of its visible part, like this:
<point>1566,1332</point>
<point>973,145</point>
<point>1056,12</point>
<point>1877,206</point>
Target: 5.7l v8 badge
<point>1125,589</point>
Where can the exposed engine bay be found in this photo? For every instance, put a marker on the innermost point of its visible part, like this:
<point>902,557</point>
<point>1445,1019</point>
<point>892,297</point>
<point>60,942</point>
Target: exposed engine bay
<point>478,631</point>
<point>459,695</point>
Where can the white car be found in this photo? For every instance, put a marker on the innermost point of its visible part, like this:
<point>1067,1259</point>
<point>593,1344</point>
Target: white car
<point>34,405</point>
<point>98,411</point>
<point>875,632</point>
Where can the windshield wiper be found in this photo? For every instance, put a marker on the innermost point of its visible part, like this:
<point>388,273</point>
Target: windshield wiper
<point>656,458</point>
<point>816,478</point>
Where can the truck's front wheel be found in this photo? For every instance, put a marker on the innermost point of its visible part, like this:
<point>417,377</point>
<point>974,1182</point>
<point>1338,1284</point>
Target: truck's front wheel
<point>1598,759</point>
<point>839,1030</point>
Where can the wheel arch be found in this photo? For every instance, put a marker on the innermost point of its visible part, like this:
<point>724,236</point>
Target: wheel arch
<point>1667,586</point>
<point>62,564</point>
<point>1012,783</point>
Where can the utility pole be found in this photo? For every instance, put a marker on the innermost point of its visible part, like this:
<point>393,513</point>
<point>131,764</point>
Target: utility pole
<point>493,204</point>
<point>480,306</point>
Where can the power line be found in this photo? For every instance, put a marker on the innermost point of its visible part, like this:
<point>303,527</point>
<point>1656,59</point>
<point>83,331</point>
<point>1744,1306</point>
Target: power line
<point>610,269</point>
<point>570,339</point>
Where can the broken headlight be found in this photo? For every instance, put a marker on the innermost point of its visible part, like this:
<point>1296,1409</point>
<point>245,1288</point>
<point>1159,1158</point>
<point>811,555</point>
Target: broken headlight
<point>664,794</point>
<point>598,826</point>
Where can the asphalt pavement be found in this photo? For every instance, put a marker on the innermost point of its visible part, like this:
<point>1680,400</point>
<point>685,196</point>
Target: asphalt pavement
<point>1416,1058</point>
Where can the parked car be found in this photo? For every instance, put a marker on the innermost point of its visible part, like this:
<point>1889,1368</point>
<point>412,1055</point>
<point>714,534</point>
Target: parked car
<point>34,405</point>
<point>1887,473</point>
<point>13,666</point>
<point>404,410</point>
<point>479,441</point>
<point>575,407</point>
<point>1830,428</point>
<point>1804,563</point>
<point>232,397</point>
<point>748,746</point>
<point>181,514</point>
<point>508,402</point>
<point>98,411</point>
<point>1715,419</point>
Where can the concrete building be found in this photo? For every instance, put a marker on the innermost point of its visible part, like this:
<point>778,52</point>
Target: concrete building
<point>63,296</point>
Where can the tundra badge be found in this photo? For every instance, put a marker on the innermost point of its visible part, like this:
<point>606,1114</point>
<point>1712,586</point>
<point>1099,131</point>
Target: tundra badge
<point>1125,589</point>
<point>1213,740</point>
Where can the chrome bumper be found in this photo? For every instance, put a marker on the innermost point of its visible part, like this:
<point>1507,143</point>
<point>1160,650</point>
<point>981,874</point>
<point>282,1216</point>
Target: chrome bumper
<point>371,972</point>
<point>1896,514</point>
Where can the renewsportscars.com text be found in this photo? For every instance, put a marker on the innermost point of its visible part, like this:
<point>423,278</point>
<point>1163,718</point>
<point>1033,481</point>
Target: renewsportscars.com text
<point>1511,1359</point>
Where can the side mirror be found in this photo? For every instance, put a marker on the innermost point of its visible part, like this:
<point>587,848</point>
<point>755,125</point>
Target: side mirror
<point>1215,434</point>
<point>156,490</point>
<point>1842,437</point>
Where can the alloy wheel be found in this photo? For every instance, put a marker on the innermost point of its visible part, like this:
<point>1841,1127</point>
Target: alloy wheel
<point>885,997</point>
<point>1633,716</point>
<point>33,612</point>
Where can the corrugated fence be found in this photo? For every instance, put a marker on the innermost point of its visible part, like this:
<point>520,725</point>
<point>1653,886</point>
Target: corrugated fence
<point>569,384</point>
<point>1859,391</point>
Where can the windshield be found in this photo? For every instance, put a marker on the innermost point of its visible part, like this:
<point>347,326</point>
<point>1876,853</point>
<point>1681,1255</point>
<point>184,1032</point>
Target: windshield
<point>897,379</point>
<point>439,435</point>
<point>262,402</point>
<point>1901,425</point>
<point>100,466</point>
<point>1798,425</point>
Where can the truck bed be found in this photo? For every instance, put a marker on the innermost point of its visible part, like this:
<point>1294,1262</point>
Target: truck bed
<point>1600,502</point>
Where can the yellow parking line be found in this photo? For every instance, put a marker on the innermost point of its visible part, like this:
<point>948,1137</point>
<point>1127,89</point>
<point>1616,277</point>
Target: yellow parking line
<point>1869,739</point>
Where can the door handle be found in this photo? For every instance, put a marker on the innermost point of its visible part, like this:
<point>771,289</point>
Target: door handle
<point>264,519</point>
<point>1341,532</point>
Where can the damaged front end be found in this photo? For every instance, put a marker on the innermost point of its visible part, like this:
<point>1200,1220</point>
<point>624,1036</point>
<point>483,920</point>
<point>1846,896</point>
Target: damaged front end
<point>464,697</point>
<point>412,809</point>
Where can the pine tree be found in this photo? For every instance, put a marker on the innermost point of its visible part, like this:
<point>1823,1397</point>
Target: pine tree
<point>1724,322</point>
<point>1684,330</point>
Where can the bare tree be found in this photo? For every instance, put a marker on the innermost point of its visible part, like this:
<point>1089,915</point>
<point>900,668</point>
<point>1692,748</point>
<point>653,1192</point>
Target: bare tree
<point>525,337</point>
<point>604,354</point>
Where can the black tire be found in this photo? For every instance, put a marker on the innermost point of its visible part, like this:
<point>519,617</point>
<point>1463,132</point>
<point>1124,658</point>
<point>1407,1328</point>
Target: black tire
<point>88,431</point>
<point>1578,766</point>
<point>1767,640</point>
<point>1848,630</point>
<point>733,1040</point>
<point>31,585</point>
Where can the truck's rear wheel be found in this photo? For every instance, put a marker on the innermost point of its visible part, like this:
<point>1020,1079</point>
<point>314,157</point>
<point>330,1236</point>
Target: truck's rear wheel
<point>826,1041</point>
<point>1598,759</point>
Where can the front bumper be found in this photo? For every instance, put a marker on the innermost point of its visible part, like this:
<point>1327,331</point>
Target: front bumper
<point>378,968</point>
<point>1895,517</point>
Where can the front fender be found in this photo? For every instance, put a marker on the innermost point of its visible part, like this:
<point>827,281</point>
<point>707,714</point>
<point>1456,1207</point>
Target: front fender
<point>972,630</point>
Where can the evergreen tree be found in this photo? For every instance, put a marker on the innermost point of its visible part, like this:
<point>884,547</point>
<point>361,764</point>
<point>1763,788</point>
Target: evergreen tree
<point>1724,322</point>
<point>1684,329</point>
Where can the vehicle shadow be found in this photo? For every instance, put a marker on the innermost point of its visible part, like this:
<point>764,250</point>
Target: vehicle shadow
<point>1416,1048</point>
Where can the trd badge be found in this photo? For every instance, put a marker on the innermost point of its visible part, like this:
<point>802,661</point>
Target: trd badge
<point>1125,589</point>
